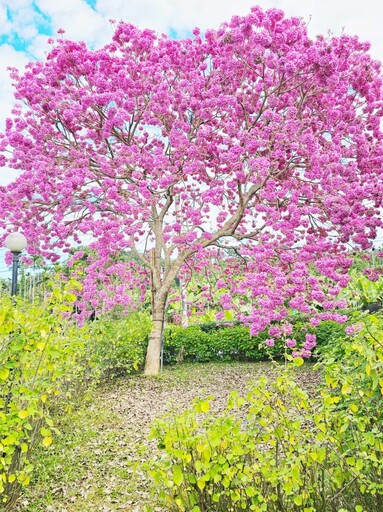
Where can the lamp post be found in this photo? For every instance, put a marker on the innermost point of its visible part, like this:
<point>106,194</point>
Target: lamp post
<point>16,243</point>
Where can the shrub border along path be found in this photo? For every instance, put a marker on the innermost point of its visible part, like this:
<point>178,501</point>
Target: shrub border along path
<point>90,468</point>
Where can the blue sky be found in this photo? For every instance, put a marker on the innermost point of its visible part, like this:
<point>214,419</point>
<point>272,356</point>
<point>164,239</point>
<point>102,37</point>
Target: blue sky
<point>25,26</point>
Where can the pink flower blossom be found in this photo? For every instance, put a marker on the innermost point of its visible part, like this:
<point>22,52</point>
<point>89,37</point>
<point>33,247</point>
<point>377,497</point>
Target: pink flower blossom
<point>275,331</point>
<point>353,329</point>
<point>291,342</point>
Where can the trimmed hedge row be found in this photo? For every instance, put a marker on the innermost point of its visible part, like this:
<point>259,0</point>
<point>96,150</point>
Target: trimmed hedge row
<point>222,342</point>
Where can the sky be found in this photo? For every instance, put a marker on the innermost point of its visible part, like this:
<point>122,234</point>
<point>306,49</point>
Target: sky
<point>26,25</point>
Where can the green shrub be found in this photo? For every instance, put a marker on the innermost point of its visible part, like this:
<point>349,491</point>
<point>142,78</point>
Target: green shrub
<point>276,449</point>
<point>328,332</point>
<point>215,341</point>
<point>273,450</point>
<point>118,346</point>
<point>42,360</point>
<point>353,370</point>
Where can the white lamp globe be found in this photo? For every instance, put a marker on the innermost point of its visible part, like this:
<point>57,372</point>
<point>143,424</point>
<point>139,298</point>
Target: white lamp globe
<point>15,242</point>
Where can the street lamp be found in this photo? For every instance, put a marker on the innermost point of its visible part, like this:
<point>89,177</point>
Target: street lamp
<point>16,243</point>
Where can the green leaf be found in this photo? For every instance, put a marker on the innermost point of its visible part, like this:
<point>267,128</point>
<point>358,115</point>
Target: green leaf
<point>47,441</point>
<point>178,476</point>
<point>298,500</point>
<point>205,406</point>
<point>4,373</point>
<point>45,432</point>
<point>201,484</point>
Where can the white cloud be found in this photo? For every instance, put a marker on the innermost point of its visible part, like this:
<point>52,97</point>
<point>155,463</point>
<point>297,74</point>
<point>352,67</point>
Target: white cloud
<point>162,15</point>
<point>7,175</point>
<point>23,20</point>
<point>5,24</point>
<point>78,19</point>
<point>39,47</point>
<point>8,57</point>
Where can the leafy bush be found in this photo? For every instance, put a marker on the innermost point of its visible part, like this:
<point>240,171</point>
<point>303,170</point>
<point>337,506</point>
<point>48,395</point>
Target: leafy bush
<point>364,292</point>
<point>215,341</point>
<point>42,358</point>
<point>119,345</point>
<point>277,450</point>
<point>269,451</point>
<point>353,370</point>
<point>328,332</point>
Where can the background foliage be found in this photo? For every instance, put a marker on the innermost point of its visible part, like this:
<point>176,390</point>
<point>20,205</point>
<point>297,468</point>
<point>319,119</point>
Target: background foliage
<point>119,345</point>
<point>214,341</point>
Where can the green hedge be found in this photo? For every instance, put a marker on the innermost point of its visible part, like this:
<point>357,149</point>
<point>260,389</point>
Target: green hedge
<point>222,342</point>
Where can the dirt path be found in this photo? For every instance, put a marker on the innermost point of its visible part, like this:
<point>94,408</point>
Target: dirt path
<point>91,468</point>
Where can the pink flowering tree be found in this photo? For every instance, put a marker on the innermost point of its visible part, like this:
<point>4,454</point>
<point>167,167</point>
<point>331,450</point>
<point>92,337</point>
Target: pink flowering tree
<point>252,136</point>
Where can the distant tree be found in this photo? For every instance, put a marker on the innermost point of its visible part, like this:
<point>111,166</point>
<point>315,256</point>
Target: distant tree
<point>253,136</point>
<point>5,287</point>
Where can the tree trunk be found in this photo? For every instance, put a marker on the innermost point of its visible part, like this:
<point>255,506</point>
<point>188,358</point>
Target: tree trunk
<point>153,354</point>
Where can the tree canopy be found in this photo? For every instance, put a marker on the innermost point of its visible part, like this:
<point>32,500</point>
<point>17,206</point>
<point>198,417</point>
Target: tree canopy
<point>252,136</point>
